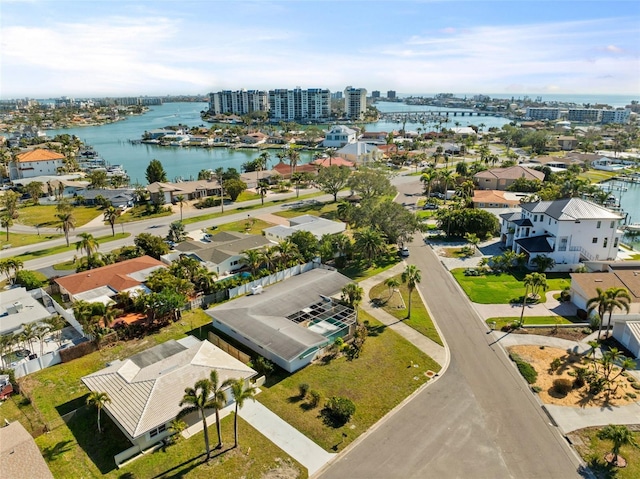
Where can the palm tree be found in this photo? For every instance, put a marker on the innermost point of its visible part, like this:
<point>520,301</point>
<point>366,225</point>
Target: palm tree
<point>6,221</point>
<point>10,267</point>
<point>218,401</point>
<point>6,343</point>
<point>252,258</point>
<point>196,399</point>
<point>219,175</point>
<point>352,294</point>
<point>261,164</point>
<point>392,284</point>
<point>98,399</point>
<point>87,243</point>
<point>263,189</point>
<point>331,153</point>
<point>288,251</point>
<point>370,243</point>
<point>427,178</point>
<point>412,276</point>
<point>240,394</point>
<point>110,216</point>
<point>67,223</point>
<point>618,299</point>
<point>543,262</point>
<point>535,281</point>
<point>294,158</point>
<point>268,256</point>
<point>619,436</point>
<point>180,199</point>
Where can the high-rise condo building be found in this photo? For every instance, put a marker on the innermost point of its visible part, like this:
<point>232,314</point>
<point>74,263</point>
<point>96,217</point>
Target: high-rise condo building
<point>543,113</point>
<point>355,102</point>
<point>312,104</point>
<point>391,94</point>
<point>240,102</point>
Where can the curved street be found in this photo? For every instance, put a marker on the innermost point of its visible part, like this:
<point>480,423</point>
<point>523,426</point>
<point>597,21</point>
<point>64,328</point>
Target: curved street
<point>478,420</point>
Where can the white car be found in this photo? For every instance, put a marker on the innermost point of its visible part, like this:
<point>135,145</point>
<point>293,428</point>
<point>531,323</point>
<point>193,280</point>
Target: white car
<point>404,252</point>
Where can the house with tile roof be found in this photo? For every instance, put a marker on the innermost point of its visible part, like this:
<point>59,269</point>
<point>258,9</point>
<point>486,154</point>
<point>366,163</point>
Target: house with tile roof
<point>291,322</point>
<point>146,388</point>
<point>496,199</point>
<point>221,253</point>
<point>102,284</point>
<point>37,162</point>
<point>503,178</point>
<point>570,231</point>
<point>335,161</point>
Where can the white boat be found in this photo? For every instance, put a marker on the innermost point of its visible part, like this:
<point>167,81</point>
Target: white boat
<point>634,227</point>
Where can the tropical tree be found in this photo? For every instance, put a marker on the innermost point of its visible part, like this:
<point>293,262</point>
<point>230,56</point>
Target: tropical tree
<point>473,239</point>
<point>533,282</point>
<point>67,223</point>
<point>352,295</point>
<point>6,222</point>
<point>287,252</point>
<point>219,176</point>
<point>34,189</point>
<point>619,436</point>
<point>180,199</point>
<point>268,257</point>
<point>412,276</point>
<point>198,399</point>
<point>543,263</point>
<point>87,243</point>
<point>253,259</point>
<point>10,267</point>
<point>240,394</point>
<point>370,243</point>
<point>606,301</point>
<point>392,283</point>
<point>111,214</point>
<point>332,179</point>
<point>294,158</point>
<point>428,177</point>
<point>619,298</point>
<point>176,232</point>
<point>263,189</point>
<point>155,172</point>
<point>99,400</point>
<point>218,401</point>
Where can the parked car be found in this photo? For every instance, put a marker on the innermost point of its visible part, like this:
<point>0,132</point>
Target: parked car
<point>404,252</point>
<point>430,206</point>
<point>438,195</point>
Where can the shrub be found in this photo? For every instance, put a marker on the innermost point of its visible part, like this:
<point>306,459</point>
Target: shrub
<point>528,372</point>
<point>209,202</point>
<point>315,398</point>
<point>631,395</point>
<point>594,321</point>
<point>30,279</point>
<point>536,389</point>
<point>555,365</point>
<point>631,379</point>
<point>304,389</point>
<point>338,410</point>
<point>581,377</point>
<point>263,366</point>
<point>562,386</point>
<point>635,386</point>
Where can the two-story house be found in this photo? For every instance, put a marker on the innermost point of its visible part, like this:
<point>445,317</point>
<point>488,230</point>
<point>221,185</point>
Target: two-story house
<point>339,136</point>
<point>38,162</point>
<point>569,230</point>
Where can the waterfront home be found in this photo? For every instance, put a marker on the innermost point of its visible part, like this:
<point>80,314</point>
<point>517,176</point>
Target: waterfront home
<point>255,138</point>
<point>496,199</point>
<point>291,322</point>
<point>102,284</point>
<point>116,197</point>
<point>360,153</point>
<point>334,161</point>
<point>503,178</point>
<point>339,136</point>
<point>313,224</point>
<point>607,164</point>
<point>221,253</point>
<point>164,193</point>
<point>34,163</point>
<point>145,389</point>
<point>569,230</point>
<point>283,169</point>
<point>556,163</point>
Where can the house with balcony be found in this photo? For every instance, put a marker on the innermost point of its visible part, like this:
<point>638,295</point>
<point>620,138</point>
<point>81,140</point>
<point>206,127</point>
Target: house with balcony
<point>569,230</point>
<point>37,162</point>
<point>339,136</point>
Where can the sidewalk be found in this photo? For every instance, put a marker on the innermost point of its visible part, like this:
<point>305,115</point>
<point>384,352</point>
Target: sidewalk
<point>426,345</point>
<point>285,436</point>
<point>552,307</point>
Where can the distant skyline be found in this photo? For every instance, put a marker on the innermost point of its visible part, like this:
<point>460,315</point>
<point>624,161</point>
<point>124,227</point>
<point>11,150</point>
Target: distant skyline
<point>98,48</point>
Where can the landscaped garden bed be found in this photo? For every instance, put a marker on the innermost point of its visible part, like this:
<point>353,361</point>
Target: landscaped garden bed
<point>594,450</point>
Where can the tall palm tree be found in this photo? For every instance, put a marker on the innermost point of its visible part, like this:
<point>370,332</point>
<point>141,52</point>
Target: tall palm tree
<point>601,303</point>
<point>67,223</point>
<point>87,243</point>
<point>533,282</point>
<point>110,216</point>
<point>294,158</point>
<point>268,256</point>
<point>331,153</point>
<point>263,189</point>
<point>412,276</point>
<point>219,175</point>
<point>240,394</point>
<point>6,343</point>
<point>6,222</point>
<point>180,199</point>
<point>352,294</point>
<point>10,267</point>
<point>98,399</point>
<point>618,299</point>
<point>370,243</point>
<point>197,399</point>
<point>427,178</point>
<point>619,436</point>
<point>288,251</point>
<point>252,258</point>
<point>261,164</point>
<point>218,401</point>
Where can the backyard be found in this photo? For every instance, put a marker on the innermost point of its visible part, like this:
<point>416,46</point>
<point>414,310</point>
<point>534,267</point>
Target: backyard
<point>388,370</point>
<point>504,288</point>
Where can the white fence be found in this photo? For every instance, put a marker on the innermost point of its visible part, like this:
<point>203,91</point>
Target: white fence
<point>272,278</point>
<point>33,365</point>
<point>67,314</point>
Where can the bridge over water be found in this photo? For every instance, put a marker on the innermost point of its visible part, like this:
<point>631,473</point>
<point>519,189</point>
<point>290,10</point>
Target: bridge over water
<point>434,114</point>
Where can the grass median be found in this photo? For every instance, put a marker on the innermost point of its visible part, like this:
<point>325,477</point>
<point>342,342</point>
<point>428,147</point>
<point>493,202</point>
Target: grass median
<point>29,255</point>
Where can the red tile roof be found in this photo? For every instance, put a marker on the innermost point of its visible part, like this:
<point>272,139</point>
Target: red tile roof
<point>335,161</point>
<point>113,275</point>
<point>285,170</point>
<point>39,154</point>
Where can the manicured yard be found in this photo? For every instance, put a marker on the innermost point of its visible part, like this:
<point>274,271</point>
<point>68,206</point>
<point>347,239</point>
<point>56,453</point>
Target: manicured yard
<point>420,320</point>
<point>596,176</point>
<point>248,195</point>
<point>24,239</point>
<point>45,215</point>
<point>376,382</point>
<point>139,213</point>
<point>359,270</point>
<point>324,210</point>
<point>550,320</point>
<point>254,224</point>
<point>593,450</point>
<point>504,288</point>
<point>64,248</point>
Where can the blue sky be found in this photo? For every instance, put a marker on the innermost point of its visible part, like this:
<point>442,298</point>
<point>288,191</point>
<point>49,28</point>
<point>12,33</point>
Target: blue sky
<point>108,47</point>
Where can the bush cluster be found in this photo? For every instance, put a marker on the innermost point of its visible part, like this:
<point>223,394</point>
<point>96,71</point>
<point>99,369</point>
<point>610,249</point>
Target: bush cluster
<point>528,372</point>
<point>562,386</point>
<point>338,410</point>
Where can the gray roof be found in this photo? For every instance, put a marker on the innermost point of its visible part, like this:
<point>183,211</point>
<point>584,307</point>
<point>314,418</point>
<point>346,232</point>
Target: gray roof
<point>146,389</point>
<point>223,245</point>
<point>108,194</point>
<point>28,309</point>
<point>20,457</point>
<point>535,244</point>
<point>263,318</point>
<point>314,224</point>
<point>571,209</point>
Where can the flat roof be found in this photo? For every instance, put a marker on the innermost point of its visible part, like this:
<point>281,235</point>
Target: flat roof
<point>30,309</point>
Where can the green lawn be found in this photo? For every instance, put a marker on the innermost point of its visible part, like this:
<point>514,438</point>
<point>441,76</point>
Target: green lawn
<point>248,195</point>
<point>25,239</point>
<point>420,319</point>
<point>64,248</point>
<point>139,213</point>
<point>550,320</point>
<point>45,215</point>
<point>254,224</point>
<point>376,382</point>
<point>359,270</point>
<point>325,210</point>
<point>593,450</point>
<point>504,288</point>
<point>596,176</point>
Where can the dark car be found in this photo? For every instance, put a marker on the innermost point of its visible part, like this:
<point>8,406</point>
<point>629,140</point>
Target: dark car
<point>430,206</point>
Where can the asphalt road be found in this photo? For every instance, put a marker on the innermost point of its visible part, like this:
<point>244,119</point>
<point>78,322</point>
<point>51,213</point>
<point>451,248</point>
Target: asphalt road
<point>478,420</point>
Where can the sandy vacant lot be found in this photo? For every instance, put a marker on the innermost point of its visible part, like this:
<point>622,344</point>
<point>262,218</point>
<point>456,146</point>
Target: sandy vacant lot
<point>541,360</point>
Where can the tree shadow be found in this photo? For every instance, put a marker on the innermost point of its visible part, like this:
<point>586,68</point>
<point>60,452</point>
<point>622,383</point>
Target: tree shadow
<point>374,331</point>
<point>51,453</point>
<point>603,469</point>
<point>183,468</point>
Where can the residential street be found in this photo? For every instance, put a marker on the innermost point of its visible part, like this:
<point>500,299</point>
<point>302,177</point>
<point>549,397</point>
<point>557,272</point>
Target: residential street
<point>477,421</point>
